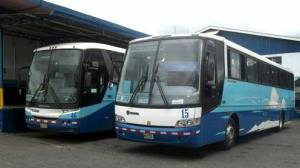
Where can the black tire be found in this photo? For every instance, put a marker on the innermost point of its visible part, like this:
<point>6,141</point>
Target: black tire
<point>230,135</point>
<point>281,122</point>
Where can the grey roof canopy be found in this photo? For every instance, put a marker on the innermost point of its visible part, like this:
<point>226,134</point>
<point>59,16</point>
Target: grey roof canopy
<point>50,23</point>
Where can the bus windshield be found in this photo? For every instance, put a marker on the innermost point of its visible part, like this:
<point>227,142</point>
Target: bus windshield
<point>54,77</point>
<point>297,94</point>
<point>159,73</point>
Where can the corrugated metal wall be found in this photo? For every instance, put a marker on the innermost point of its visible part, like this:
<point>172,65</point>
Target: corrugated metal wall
<point>1,73</point>
<point>262,45</point>
<point>17,53</point>
<point>1,58</point>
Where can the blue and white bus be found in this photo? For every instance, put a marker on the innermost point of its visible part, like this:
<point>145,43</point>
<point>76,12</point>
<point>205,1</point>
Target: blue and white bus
<point>197,89</point>
<point>72,87</point>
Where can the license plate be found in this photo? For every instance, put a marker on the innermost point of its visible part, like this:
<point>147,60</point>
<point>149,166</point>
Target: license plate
<point>148,136</point>
<point>43,125</point>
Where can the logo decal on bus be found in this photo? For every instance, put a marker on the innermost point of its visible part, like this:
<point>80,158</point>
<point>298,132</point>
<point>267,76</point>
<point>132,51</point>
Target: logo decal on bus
<point>131,113</point>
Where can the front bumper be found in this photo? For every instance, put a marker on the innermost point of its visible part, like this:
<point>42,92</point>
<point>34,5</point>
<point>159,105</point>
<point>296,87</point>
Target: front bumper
<point>54,125</point>
<point>184,137</point>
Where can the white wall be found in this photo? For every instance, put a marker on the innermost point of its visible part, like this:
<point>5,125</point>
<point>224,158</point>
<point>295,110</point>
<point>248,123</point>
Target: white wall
<point>17,53</point>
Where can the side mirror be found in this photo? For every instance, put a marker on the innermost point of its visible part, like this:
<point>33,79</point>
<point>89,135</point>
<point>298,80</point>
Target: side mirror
<point>211,72</point>
<point>85,66</point>
<point>211,85</point>
<point>110,85</point>
<point>114,80</point>
<point>114,76</point>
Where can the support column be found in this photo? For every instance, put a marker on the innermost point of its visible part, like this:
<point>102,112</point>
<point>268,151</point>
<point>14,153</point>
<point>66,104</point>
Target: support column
<point>1,70</point>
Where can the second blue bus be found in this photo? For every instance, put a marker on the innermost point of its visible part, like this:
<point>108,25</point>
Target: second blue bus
<point>72,87</point>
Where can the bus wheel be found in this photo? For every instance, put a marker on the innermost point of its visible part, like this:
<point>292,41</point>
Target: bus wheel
<point>230,135</point>
<point>281,122</point>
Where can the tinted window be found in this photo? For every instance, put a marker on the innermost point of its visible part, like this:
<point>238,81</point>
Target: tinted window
<point>252,70</point>
<point>297,89</point>
<point>235,67</point>
<point>283,79</point>
<point>117,62</point>
<point>266,72</point>
<point>93,62</point>
<point>95,77</point>
<point>274,78</point>
<point>290,81</point>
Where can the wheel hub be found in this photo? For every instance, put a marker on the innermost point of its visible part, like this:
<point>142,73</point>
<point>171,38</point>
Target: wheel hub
<point>230,133</point>
<point>280,123</point>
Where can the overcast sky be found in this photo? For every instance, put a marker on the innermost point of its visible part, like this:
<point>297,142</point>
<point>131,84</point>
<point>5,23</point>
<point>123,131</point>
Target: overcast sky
<point>185,16</point>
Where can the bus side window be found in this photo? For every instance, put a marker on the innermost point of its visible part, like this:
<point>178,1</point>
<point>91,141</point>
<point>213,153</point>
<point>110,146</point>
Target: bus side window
<point>274,78</point>
<point>117,71</point>
<point>117,62</point>
<point>234,65</point>
<point>265,73</point>
<point>252,70</point>
<point>283,79</point>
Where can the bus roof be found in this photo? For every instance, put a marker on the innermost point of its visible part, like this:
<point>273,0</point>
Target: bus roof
<point>219,38</point>
<point>82,46</point>
<point>204,35</point>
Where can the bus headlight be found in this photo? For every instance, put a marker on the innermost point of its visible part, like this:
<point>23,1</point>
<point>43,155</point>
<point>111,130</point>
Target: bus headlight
<point>70,110</point>
<point>120,119</point>
<point>188,122</point>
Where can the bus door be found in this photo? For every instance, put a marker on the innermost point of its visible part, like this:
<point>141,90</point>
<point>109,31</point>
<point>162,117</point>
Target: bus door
<point>95,77</point>
<point>213,79</point>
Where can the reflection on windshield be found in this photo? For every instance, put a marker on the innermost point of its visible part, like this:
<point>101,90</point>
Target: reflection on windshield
<point>297,92</point>
<point>297,89</point>
<point>173,70</point>
<point>60,70</point>
<point>38,71</point>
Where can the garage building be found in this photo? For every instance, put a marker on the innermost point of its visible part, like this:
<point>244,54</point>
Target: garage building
<point>29,24</point>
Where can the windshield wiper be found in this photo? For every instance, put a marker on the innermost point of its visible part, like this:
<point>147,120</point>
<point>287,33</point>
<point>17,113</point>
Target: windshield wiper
<point>55,97</point>
<point>160,88</point>
<point>35,94</point>
<point>141,83</point>
<point>46,84</point>
<point>42,85</point>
